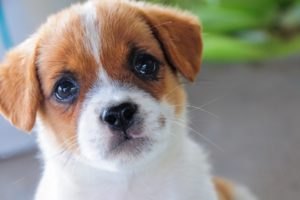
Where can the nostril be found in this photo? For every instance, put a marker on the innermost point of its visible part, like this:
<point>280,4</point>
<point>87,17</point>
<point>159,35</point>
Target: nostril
<point>128,112</point>
<point>110,119</point>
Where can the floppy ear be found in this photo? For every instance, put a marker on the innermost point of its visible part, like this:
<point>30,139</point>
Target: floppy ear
<point>19,87</point>
<point>179,34</point>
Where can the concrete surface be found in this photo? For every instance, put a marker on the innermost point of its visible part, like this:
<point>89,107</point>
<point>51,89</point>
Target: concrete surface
<point>13,141</point>
<point>19,177</point>
<point>253,128</point>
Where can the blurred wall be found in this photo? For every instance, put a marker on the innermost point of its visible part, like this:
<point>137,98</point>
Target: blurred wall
<point>22,18</point>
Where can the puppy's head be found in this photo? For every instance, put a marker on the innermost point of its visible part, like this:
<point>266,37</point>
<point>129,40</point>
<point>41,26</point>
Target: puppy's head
<point>103,78</point>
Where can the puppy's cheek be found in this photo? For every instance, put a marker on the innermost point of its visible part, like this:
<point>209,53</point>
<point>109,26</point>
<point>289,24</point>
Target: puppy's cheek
<point>152,112</point>
<point>178,101</point>
<point>157,119</point>
<point>91,138</point>
<point>174,94</point>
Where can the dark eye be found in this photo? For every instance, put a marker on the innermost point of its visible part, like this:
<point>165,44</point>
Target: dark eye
<point>66,90</point>
<point>145,66</point>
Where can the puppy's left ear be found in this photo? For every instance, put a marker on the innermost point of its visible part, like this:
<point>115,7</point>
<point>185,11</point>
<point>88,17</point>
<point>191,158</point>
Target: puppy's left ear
<point>19,88</point>
<point>179,34</point>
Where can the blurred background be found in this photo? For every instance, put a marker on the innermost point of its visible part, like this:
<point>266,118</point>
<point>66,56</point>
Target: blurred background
<point>244,107</point>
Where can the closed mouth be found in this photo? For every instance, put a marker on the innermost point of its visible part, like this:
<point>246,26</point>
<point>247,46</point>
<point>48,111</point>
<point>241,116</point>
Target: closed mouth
<point>123,144</point>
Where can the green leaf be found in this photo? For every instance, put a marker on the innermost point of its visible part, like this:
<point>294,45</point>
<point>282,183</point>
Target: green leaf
<point>225,20</point>
<point>222,48</point>
<point>228,49</point>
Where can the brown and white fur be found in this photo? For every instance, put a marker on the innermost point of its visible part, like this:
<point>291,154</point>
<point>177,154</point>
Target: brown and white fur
<point>83,157</point>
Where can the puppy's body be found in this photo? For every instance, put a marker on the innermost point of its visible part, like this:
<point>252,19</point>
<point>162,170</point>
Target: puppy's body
<point>103,81</point>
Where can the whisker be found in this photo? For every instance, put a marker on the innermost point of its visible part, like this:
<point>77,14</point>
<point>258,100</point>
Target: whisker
<point>68,144</point>
<point>201,135</point>
<point>211,101</point>
<point>199,108</point>
<point>171,92</point>
<point>203,110</point>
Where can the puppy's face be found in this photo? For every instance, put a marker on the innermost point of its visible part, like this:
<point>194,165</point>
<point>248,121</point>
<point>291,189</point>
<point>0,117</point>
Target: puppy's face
<point>103,78</point>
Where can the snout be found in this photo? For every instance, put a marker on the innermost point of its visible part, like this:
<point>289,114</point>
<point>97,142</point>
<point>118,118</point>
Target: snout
<point>120,118</point>
<point>119,125</point>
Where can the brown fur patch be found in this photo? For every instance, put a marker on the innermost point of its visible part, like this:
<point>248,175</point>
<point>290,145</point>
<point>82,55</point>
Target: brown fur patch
<point>19,88</point>
<point>224,189</point>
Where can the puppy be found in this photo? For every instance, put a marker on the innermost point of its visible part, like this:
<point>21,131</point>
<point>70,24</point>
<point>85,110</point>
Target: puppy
<point>100,81</point>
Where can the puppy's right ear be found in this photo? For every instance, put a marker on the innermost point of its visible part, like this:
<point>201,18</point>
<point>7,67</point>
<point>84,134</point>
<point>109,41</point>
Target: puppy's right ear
<point>19,86</point>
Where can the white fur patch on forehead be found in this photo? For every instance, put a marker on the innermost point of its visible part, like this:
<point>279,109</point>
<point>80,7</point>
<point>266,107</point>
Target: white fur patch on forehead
<point>91,28</point>
<point>103,77</point>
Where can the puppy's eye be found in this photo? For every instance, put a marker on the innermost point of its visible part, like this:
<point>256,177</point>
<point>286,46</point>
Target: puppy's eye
<point>66,90</point>
<point>145,66</point>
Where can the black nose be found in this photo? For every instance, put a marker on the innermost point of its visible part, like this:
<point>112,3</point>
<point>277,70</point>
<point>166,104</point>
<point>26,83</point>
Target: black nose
<point>119,117</point>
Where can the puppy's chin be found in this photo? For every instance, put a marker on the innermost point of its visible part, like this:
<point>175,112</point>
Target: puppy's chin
<point>124,146</point>
<point>124,154</point>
